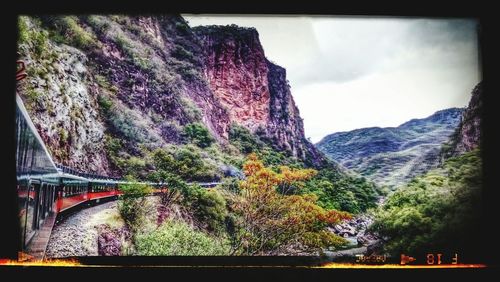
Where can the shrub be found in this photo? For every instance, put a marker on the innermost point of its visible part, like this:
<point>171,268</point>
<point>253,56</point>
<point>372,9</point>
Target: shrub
<point>23,30</point>
<point>229,184</point>
<point>130,124</point>
<point>105,104</point>
<point>78,35</point>
<point>191,111</point>
<point>198,134</point>
<point>134,167</point>
<point>135,56</point>
<point>63,136</point>
<point>68,29</point>
<point>209,207</point>
<point>32,96</point>
<point>182,54</point>
<point>40,42</point>
<point>99,23</point>
<point>174,238</point>
<point>185,161</point>
<point>133,205</point>
<point>243,139</point>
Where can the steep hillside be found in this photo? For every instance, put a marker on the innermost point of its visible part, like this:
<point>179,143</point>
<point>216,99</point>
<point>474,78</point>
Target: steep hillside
<point>106,91</point>
<point>467,136</point>
<point>393,155</point>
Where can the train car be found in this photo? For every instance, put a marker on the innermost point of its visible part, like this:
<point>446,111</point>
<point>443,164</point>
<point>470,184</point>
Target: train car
<point>37,176</point>
<point>45,188</point>
<point>73,191</point>
<point>99,190</point>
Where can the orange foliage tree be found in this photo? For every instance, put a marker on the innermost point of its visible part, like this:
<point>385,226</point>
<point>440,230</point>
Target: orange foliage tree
<point>273,221</point>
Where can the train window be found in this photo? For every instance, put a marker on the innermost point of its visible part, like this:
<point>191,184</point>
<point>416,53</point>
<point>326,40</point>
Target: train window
<point>30,214</point>
<point>23,200</point>
<point>55,194</point>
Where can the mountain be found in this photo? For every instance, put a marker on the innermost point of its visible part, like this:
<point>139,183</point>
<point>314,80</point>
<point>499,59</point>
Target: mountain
<point>105,92</point>
<point>392,155</point>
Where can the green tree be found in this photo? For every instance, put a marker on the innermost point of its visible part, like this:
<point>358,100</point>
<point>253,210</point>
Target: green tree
<point>270,221</point>
<point>198,134</point>
<point>133,205</point>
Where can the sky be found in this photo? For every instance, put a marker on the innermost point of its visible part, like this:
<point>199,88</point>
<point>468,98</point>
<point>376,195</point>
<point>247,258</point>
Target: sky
<point>354,72</point>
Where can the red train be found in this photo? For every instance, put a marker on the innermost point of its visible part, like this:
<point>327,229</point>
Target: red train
<point>71,196</point>
<point>46,189</point>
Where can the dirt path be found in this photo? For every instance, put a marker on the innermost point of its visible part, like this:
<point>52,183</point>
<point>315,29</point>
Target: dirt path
<point>76,235</point>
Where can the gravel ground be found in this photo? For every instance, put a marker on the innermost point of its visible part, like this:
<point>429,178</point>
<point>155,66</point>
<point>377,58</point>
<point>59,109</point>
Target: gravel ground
<point>76,235</point>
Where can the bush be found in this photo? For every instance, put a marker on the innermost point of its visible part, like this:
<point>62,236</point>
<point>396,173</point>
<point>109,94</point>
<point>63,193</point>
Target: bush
<point>105,104</point>
<point>191,111</point>
<point>185,161</point>
<point>68,29</point>
<point>243,139</point>
<point>134,167</point>
<point>99,23</point>
<point>182,54</point>
<point>23,30</point>
<point>137,57</point>
<point>209,207</point>
<point>133,205</point>
<point>174,238</point>
<point>230,184</point>
<point>198,134</point>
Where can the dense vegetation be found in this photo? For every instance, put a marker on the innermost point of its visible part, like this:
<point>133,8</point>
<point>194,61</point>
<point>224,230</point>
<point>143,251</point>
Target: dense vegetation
<point>347,193</point>
<point>334,190</point>
<point>176,238</point>
<point>439,211</point>
<point>265,214</point>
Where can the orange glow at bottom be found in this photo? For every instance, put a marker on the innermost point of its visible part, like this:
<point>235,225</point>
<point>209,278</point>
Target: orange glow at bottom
<point>399,266</point>
<point>76,263</point>
<point>51,262</point>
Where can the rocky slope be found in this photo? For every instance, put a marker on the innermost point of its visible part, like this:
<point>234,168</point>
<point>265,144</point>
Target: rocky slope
<point>390,156</point>
<point>62,101</point>
<point>467,136</point>
<point>102,90</point>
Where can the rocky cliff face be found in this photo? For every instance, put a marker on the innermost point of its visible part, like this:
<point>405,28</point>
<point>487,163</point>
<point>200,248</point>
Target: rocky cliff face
<point>467,137</point>
<point>253,90</point>
<point>60,95</point>
<point>103,89</point>
<point>391,156</point>
<point>236,69</point>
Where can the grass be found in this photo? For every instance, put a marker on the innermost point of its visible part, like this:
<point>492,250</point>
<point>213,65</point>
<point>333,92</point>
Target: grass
<point>110,217</point>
